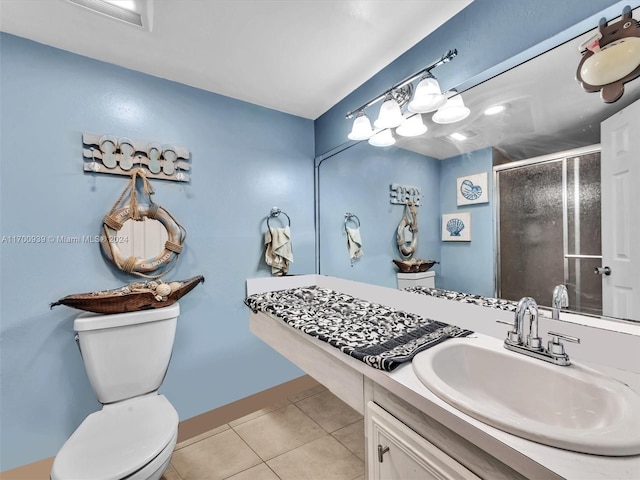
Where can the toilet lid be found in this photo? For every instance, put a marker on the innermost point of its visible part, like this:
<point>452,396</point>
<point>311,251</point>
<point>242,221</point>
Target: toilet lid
<point>118,440</point>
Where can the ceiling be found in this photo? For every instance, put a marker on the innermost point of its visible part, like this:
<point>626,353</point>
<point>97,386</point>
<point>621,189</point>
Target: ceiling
<point>547,110</point>
<point>299,57</point>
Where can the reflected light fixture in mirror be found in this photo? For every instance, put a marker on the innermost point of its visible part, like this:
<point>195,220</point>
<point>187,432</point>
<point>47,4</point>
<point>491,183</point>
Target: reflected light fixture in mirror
<point>412,126</point>
<point>384,138</point>
<point>428,96</point>
<point>390,115</point>
<point>495,109</point>
<point>453,111</point>
<point>361,129</point>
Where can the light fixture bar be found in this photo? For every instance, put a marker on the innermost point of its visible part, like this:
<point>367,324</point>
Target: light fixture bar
<point>447,57</point>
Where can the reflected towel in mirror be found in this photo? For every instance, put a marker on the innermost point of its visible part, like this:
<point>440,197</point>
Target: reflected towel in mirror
<point>278,253</point>
<point>354,243</point>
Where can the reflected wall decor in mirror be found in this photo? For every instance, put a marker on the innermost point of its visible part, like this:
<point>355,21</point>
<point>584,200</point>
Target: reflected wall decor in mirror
<point>543,153</point>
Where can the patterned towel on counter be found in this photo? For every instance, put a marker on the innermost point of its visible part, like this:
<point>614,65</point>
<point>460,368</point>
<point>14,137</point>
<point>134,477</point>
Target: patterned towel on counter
<point>380,336</point>
<point>499,303</point>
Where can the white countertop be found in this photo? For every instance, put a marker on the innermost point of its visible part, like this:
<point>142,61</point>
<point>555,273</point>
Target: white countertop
<point>503,446</point>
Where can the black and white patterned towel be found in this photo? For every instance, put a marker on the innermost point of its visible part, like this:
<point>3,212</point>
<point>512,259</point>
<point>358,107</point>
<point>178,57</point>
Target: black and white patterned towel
<point>380,336</point>
<point>499,303</point>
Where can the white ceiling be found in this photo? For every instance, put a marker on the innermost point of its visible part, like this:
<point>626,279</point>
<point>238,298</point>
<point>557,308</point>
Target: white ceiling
<point>295,56</point>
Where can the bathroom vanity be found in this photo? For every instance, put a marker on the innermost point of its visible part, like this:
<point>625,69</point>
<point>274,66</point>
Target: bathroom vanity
<point>412,433</point>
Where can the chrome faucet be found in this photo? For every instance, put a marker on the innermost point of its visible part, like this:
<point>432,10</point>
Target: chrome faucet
<point>531,339</point>
<point>523,337</point>
<point>559,299</point>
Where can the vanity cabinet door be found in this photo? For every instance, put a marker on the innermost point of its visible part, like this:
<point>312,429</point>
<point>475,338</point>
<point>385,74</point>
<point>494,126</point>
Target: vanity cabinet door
<point>395,452</point>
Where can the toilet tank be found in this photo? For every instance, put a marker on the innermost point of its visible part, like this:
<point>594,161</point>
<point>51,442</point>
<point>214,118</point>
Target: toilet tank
<point>126,354</point>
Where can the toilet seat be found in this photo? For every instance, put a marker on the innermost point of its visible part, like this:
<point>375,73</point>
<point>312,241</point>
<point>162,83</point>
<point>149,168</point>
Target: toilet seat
<point>119,440</point>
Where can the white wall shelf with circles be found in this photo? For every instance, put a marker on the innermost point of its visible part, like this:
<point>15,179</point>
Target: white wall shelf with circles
<point>120,156</point>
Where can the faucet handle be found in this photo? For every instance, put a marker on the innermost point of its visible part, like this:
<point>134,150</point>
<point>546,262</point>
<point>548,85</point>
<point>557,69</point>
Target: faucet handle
<point>556,347</point>
<point>512,324</point>
<point>512,335</point>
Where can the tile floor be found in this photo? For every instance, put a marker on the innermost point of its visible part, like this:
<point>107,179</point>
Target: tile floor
<point>313,435</point>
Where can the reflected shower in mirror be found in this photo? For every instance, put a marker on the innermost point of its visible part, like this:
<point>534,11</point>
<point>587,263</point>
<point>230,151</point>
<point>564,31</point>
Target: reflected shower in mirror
<point>545,112</point>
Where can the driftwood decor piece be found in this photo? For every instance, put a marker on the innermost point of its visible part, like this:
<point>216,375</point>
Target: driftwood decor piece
<point>407,233</point>
<point>133,297</point>
<point>120,155</point>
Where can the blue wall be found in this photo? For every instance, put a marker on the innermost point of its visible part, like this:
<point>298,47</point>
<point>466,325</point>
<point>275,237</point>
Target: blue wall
<point>357,180</point>
<point>245,159</point>
<point>468,266</point>
<point>50,97</point>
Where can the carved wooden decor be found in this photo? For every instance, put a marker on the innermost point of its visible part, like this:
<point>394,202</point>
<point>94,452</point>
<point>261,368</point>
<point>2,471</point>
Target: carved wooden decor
<point>405,194</point>
<point>120,155</point>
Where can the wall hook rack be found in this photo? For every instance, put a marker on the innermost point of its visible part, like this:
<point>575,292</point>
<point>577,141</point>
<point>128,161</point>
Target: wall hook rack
<point>119,155</point>
<point>405,194</point>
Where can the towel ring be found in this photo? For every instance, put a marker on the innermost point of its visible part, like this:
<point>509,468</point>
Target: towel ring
<point>350,216</point>
<point>275,212</point>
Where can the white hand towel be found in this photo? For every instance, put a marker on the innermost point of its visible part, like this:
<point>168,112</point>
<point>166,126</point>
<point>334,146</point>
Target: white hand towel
<point>354,243</point>
<point>278,253</point>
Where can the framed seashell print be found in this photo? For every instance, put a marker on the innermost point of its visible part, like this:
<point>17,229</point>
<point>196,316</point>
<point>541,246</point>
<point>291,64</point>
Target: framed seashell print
<point>472,189</point>
<point>456,227</point>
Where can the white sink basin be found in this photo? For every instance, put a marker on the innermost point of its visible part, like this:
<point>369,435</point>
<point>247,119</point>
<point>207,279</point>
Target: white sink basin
<point>573,407</point>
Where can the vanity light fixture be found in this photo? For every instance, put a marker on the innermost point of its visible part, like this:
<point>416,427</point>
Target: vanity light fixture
<point>427,98</point>
<point>361,129</point>
<point>390,115</point>
<point>453,111</point>
<point>383,138</point>
<point>412,126</point>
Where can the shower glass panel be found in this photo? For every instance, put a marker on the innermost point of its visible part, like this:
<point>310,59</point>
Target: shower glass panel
<point>549,231</point>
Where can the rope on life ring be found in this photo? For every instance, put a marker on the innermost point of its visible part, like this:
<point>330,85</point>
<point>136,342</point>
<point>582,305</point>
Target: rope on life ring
<point>117,216</point>
<point>410,219</point>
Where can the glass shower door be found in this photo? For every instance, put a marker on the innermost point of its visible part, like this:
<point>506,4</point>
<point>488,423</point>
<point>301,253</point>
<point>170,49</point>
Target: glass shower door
<point>548,230</point>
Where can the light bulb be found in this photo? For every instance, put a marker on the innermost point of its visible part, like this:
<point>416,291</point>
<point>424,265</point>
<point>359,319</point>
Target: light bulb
<point>428,96</point>
<point>361,129</point>
<point>390,115</point>
<point>452,111</point>
<point>382,139</point>
<point>412,126</point>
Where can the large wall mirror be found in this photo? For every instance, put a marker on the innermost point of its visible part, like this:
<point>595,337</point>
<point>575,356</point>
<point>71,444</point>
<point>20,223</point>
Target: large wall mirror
<point>542,154</point>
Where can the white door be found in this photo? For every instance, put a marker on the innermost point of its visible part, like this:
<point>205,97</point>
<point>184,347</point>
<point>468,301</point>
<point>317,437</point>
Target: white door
<point>620,168</point>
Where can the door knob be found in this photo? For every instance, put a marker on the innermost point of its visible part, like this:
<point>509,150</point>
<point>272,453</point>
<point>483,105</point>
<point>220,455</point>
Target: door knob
<point>602,271</point>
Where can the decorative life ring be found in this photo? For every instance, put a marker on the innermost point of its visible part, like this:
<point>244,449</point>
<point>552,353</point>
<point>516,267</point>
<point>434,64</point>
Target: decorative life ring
<point>410,219</point>
<point>162,262</point>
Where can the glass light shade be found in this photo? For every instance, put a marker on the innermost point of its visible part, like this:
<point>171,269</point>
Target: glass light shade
<point>452,111</point>
<point>412,126</point>
<point>361,129</point>
<point>382,139</point>
<point>428,96</point>
<point>390,115</point>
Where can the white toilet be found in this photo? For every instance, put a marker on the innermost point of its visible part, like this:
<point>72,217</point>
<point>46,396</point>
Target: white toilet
<point>419,279</point>
<point>126,357</point>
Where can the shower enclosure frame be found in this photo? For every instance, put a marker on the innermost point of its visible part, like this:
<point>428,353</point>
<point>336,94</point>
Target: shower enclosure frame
<point>562,156</point>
